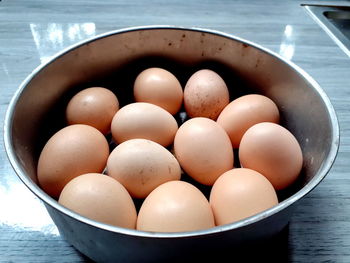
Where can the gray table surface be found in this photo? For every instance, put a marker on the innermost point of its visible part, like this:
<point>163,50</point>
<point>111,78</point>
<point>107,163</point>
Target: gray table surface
<point>31,31</point>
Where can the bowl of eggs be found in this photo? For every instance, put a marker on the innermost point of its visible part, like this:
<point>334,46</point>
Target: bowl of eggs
<point>147,141</point>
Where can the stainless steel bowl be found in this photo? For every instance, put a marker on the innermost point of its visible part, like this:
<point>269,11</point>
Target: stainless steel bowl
<point>113,60</point>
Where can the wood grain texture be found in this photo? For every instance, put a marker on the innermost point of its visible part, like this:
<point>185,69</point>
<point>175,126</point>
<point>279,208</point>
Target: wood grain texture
<point>319,230</point>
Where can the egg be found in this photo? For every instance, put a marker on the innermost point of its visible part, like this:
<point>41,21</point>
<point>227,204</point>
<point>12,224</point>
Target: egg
<point>101,198</point>
<point>72,151</point>
<point>141,165</point>
<point>244,112</point>
<point>144,121</point>
<point>203,149</point>
<point>160,87</point>
<point>273,151</point>
<point>94,106</point>
<point>175,206</point>
<point>205,94</point>
<point>240,193</point>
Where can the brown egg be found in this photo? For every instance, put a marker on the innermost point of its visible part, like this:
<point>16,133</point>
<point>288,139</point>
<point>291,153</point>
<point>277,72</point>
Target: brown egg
<point>160,87</point>
<point>93,106</point>
<point>240,193</point>
<point>142,165</point>
<point>205,94</point>
<point>242,113</point>
<point>175,206</point>
<point>273,151</point>
<point>142,120</point>
<point>203,149</point>
<point>72,151</point>
<point>101,198</point>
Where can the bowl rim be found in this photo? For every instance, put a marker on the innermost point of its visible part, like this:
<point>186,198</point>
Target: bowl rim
<point>37,191</point>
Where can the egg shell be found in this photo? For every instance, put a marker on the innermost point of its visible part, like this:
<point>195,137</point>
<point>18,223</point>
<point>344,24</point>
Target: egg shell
<point>94,106</point>
<point>203,149</point>
<point>143,120</point>
<point>205,94</point>
<point>72,151</point>
<point>160,87</point>
<point>273,151</point>
<point>101,198</point>
<point>240,193</point>
<point>142,165</point>
<point>175,206</point>
<point>242,113</point>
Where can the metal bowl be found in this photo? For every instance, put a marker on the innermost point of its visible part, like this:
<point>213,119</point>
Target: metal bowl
<point>113,60</point>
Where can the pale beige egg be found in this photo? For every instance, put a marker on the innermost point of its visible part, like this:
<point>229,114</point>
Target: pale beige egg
<point>240,193</point>
<point>273,151</point>
<point>72,151</point>
<point>205,94</point>
<point>203,149</point>
<point>142,165</point>
<point>175,206</point>
<point>94,106</point>
<point>101,198</point>
<point>160,87</point>
<point>143,120</point>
